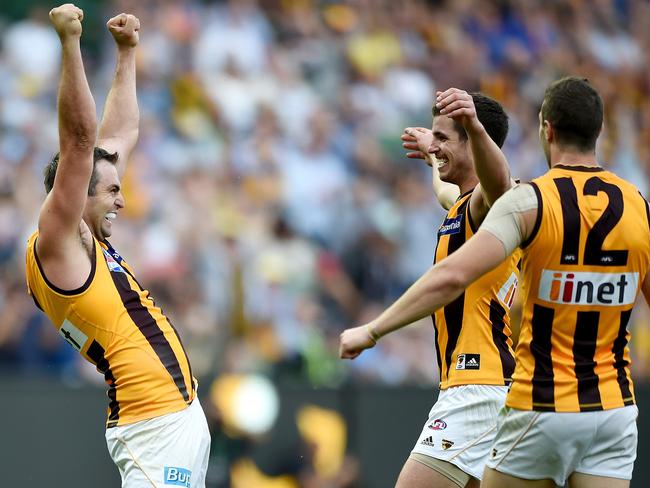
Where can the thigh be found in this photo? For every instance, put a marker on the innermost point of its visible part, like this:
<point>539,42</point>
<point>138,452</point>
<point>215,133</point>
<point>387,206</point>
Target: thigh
<point>416,475</point>
<point>581,480</point>
<point>495,479</point>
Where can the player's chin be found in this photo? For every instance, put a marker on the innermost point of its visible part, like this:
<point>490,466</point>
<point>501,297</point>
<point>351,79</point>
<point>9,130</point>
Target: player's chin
<point>107,229</point>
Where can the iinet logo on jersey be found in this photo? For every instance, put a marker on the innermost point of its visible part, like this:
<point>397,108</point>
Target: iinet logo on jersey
<point>576,288</point>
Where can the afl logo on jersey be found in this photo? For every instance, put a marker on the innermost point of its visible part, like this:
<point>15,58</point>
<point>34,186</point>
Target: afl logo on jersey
<point>450,226</point>
<point>113,265</point>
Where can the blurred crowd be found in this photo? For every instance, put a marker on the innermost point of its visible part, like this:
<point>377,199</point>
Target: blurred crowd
<point>269,204</point>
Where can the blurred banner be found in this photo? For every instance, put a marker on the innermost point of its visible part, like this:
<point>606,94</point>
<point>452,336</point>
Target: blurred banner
<point>53,435</point>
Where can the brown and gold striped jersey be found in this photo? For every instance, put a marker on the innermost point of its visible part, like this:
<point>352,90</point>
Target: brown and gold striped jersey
<point>473,344</point>
<point>114,323</point>
<point>583,267</point>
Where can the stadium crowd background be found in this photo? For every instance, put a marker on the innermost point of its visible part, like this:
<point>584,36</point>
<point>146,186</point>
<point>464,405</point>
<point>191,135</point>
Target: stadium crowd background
<point>269,202</point>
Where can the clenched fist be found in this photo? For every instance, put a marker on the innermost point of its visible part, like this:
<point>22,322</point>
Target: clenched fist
<point>354,341</point>
<point>125,28</point>
<point>67,20</point>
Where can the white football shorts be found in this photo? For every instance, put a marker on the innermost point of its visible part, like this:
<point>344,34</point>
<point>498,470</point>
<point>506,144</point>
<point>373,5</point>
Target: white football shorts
<point>169,451</point>
<point>462,425</point>
<point>552,445</point>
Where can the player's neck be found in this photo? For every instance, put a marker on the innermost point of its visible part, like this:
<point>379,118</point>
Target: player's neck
<point>468,184</point>
<point>572,157</point>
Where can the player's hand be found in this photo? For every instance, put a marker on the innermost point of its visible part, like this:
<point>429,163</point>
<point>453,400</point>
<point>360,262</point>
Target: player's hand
<point>67,20</point>
<point>417,141</point>
<point>354,341</point>
<point>459,105</point>
<point>125,29</point>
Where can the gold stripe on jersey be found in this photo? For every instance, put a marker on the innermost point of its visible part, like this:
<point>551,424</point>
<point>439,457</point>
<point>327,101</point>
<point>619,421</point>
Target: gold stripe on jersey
<point>114,323</point>
<point>473,344</point>
<point>583,267</point>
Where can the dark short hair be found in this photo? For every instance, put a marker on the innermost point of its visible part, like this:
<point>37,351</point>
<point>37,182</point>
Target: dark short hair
<point>575,111</point>
<point>98,154</point>
<point>490,113</point>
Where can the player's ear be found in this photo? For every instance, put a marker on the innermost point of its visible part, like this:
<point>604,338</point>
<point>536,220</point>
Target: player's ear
<point>548,131</point>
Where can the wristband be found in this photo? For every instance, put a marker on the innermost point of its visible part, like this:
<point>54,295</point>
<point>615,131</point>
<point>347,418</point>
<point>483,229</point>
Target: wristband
<point>374,337</point>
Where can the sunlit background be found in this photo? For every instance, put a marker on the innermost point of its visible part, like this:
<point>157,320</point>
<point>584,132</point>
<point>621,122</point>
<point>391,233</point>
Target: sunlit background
<point>270,205</point>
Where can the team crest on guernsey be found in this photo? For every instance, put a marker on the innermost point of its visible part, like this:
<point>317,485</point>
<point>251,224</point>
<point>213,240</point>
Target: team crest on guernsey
<point>112,264</point>
<point>451,226</point>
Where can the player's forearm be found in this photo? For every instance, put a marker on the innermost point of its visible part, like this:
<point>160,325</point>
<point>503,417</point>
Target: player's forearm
<point>76,107</point>
<point>446,193</point>
<point>121,116</point>
<point>490,164</point>
<point>438,286</point>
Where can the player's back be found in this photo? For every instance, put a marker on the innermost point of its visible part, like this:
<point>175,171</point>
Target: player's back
<point>582,270</point>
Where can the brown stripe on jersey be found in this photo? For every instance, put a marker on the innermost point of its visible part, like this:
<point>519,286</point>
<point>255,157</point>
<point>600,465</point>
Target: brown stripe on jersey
<point>538,217</point>
<point>620,363</point>
<point>438,358</point>
<point>570,219</point>
<point>178,337</point>
<point>454,311</point>
<point>96,354</point>
<point>149,328</point>
<point>497,315</point>
<point>540,348</point>
<point>433,316</point>
<point>584,350</point>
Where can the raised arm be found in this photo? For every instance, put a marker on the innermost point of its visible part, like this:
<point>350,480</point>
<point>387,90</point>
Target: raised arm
<point>118,131</point>
<point>490,163</point>
<point>417,141</point>
<point>62,211</point>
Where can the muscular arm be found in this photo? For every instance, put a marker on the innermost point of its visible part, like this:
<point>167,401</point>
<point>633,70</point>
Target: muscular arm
<point>118,131</point>
<point>63,208</point>
<point>446,280</point>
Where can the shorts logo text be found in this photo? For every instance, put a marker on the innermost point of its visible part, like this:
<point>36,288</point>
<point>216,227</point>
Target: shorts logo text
<point>177,476</point>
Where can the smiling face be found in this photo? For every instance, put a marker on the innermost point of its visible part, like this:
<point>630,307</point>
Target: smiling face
<point>104,201</point>
<point>452,151</point>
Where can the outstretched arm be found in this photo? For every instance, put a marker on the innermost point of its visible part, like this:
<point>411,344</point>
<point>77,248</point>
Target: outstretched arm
<point>62,211</point>
<point>490,163</point>
<point>438,286</point>
<point>508,224</point>
<point>118,131</point>
<point>417,141</point>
